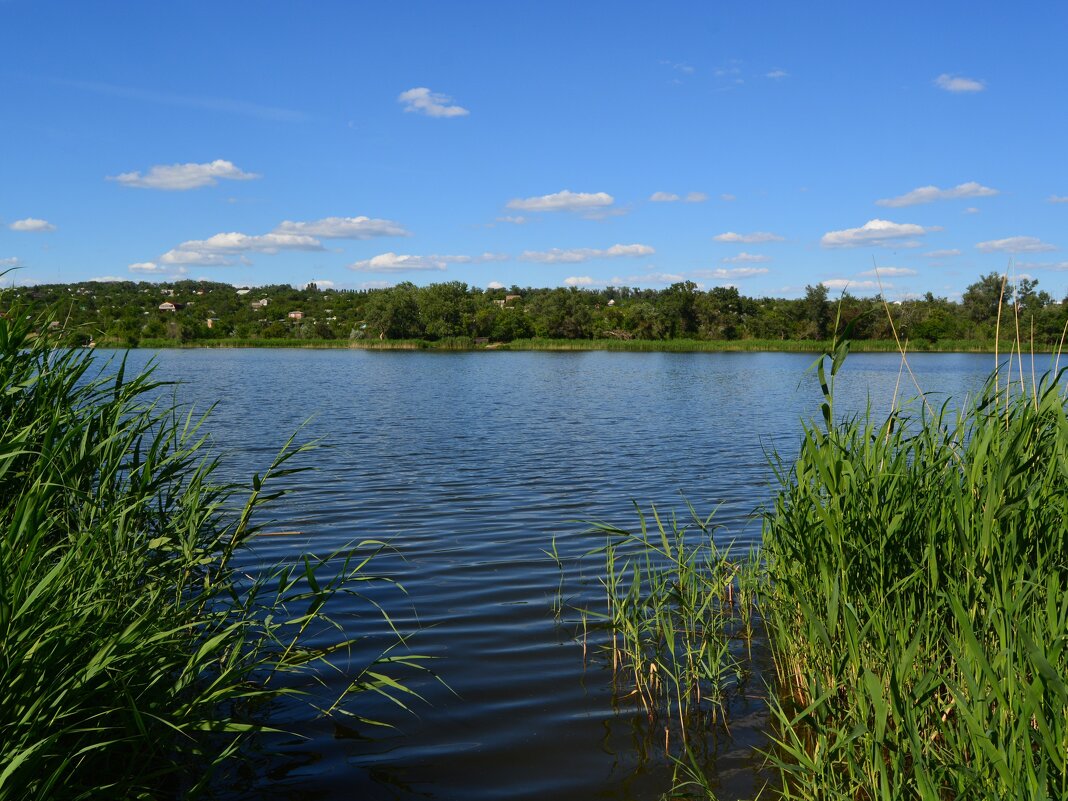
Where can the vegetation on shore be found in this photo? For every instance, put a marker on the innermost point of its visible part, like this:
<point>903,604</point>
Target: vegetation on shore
<point>456,316</point>
<point>134,656</point>
<point>914,593</point>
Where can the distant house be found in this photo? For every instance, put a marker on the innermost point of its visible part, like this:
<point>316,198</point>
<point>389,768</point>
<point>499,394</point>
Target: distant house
<point>507,299</point>
<point>167,306</point>
<point>259,304</point>
<point>211,321</point>
<point>167,292</point>
<point>296,315</point>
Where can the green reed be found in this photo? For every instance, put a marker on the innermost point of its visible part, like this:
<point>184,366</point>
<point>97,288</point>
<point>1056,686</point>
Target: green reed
<point>917,600</point>
<point>673,612</point>
<point>134,655</point>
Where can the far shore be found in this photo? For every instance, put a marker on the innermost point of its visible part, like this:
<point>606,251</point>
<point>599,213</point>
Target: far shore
<point>634,345</point>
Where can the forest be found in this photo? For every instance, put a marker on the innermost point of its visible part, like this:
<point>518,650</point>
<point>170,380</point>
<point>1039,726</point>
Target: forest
<point>132,314</point>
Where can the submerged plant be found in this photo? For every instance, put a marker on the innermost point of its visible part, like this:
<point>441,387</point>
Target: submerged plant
<point>134,656</point>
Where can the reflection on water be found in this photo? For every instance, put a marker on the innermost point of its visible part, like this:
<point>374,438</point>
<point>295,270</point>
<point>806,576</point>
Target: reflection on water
<point>470,463</point>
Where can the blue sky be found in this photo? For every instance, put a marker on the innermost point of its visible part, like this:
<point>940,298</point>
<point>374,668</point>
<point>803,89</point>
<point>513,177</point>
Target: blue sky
<point>764,145</point>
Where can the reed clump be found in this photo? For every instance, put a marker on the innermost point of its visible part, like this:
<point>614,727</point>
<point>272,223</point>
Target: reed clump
<point>917,600</point>
<point>679,620</point>
<point>134,656</point>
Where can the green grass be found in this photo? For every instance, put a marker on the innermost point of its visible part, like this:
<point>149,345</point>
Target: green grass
<point>134,658</point>
<point>917,601</point>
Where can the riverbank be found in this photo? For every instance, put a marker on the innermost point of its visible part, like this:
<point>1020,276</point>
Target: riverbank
<point>631,345</point>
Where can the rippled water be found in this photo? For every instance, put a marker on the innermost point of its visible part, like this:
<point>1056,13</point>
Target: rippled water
<point>469,464</point>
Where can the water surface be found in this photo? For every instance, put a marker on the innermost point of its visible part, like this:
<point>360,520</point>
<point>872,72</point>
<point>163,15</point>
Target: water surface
<point>469,464</point>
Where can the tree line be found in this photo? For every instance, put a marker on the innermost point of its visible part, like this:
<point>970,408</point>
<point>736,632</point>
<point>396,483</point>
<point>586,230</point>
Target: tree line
<point>126,313</point>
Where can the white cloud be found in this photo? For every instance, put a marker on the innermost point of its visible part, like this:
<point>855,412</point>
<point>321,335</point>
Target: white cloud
<point>845,283</point>
<point>942,254</point>
<point>728,197</point>
<point>433,104</point>
<point>1059,266</point>
<point>108,279</point>
<point>1015,244</point>
<point>664,197</point>
<point>958,83</point>
<point>777,74</point>
<point>376,285</point>
<point>881,233</point>
<point>929,194</point>
<point>181,177</point>
<point>746,258</point>
<point>575,255</point>
<point>321,283</point>
<point>564,201</point>
<point>398,263</point>
<point>32,224</point>
<point>343,228</point>
<point>890,271</point>
<point>515,220</point>
<point>648,278</point>
<point>748,239</point>
<point>152,268</point>
<point>494,285</point>
<point>9,262</point>
<point>696,197</point>
<point>578,280</point>
<point>732,274</point>
<point>1058,198</point>
<point>971,210</point>
<point>217,249</point>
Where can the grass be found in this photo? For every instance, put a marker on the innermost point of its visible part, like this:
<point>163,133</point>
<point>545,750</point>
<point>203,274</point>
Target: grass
<point>917,601</point>
<point>914,592</point>
<point>134,657</point>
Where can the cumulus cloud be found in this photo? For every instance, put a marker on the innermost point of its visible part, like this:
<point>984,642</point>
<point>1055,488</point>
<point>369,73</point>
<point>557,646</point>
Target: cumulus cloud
<point>748,239</point>
<point>494,285</point>
<point>1059,266</point>
<point>1015,244</point>
<point>513,219</point>
<point>433,104</point>
<point>648,278</point>
<point>152,268</point>
<point>1058,198</point>
<point>846,283</point>
<point>343,228</point>
<point>881,233</point>
<point>9,262</point>
<point>321,283</point>
<point>890,271</point>
<point>376,285</point>
<point>732,274</point>
<point>929,194</point>
<point>728,197</point>
<point>32,225</point>
<point>671,197</point>
<point>108,279</point>
<point>565,200</point>
<point>220,248</point>
<point>942,254</point>
<point>181,177</point>
<point>744,258</point>
<point>777,75</point>
<point>401,263</point>
<point>578,280</point>
<point>575,255</point>
<point>958,83</point>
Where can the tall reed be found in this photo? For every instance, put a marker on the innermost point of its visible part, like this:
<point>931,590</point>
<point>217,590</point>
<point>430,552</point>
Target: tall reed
<point>134,658</point>
<point>917,600</point>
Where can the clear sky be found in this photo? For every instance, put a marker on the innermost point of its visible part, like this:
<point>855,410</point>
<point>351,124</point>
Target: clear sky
<point>768,145</point>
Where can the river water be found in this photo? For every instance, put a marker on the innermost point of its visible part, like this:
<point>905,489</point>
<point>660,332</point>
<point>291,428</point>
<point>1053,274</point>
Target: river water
<point>469,464</point>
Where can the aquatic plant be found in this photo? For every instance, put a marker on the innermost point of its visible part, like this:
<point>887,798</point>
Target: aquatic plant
<point>917,599</point>
<point>134,655</point>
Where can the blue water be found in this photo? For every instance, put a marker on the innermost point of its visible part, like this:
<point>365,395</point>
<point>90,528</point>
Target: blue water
<point>469,464</point>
